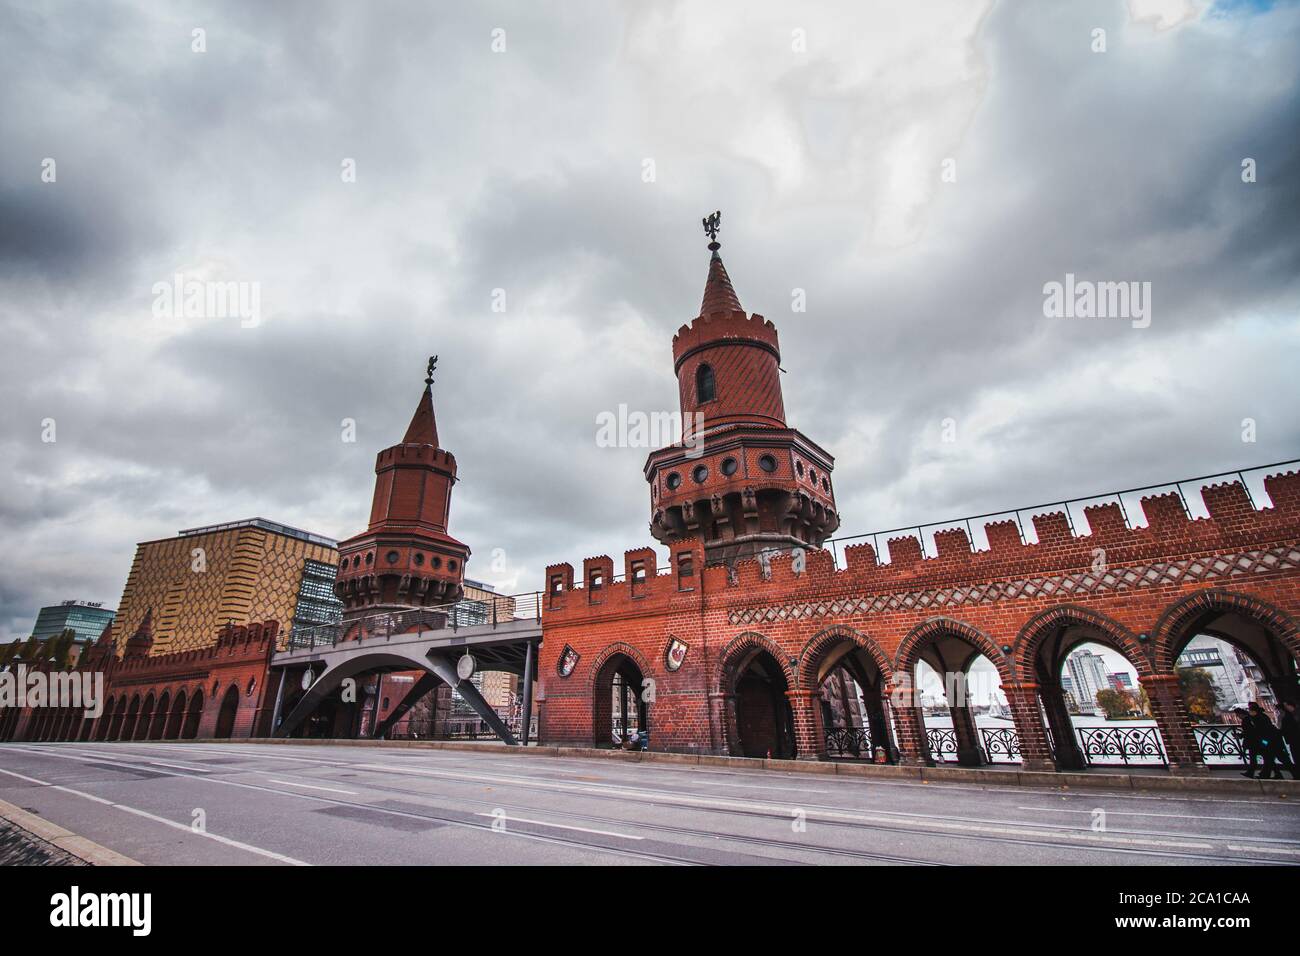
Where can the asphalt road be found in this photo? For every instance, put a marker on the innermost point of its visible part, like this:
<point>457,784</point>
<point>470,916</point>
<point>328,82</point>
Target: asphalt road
<point>243,803</point>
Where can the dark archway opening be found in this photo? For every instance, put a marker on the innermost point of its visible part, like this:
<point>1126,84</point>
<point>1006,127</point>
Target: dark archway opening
<point>226,716</point>
<point>764,720</point>
<point>620,711</point>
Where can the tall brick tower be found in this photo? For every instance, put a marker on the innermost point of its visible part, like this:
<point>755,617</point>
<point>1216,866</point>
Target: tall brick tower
<point>406,558</point>
<point>742,480</point>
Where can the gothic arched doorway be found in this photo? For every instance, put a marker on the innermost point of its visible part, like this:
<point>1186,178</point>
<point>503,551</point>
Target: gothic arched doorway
<point>764,720</point>
<point>619,708</point>
<point>226,717</point>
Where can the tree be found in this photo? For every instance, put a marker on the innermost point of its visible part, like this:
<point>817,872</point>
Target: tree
<point>60,648</point>
<point>1198,691</point>
<point>1116,703</point>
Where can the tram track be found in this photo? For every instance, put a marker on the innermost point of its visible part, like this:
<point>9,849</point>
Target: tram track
<point>1041,835</point>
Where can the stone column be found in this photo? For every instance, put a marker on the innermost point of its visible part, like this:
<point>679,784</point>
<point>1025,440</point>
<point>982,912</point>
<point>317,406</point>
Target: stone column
<point>1035,751</point>
<point>969,753</point>
<point>1064,740</point>
<point>1170,711</point>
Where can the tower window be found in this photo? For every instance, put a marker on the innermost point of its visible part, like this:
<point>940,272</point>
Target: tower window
<point>674,480</point>
<point>767,463</point>
<point>729,466</point>
<point>700,474</point>
<point>706,386</point>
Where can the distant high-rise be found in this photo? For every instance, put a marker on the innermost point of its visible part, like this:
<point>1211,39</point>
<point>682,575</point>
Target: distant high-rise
<point>1089,674</point>
<point>87,620</point>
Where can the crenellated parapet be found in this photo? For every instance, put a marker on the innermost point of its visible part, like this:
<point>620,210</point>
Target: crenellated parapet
<point>1168,532</point>
<point>734,327</point>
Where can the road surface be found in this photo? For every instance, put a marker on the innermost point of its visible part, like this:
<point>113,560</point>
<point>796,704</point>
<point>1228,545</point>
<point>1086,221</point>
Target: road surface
<point>242,803</point>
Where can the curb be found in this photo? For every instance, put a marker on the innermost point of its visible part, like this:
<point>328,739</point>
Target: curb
<point>85,850</point>
<point>1044,779</point>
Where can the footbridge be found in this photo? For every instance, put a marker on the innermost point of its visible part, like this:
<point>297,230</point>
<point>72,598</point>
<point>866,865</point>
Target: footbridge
<point>449,644</point>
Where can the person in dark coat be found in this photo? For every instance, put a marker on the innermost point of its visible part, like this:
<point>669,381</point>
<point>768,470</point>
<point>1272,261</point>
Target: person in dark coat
<point>1249,740</point>
<point>1268,742</point>
<point>1290,731</point>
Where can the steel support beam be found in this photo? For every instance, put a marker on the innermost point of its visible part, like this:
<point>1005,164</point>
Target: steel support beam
<point>445,668</point>
<point>426,684</point>
<point>530,666</point>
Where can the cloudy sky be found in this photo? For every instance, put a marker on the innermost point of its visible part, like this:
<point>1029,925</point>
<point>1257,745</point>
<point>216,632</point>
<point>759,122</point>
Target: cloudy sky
<point>919,170</point>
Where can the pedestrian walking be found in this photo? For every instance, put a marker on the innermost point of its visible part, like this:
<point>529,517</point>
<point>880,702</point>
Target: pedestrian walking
<point>1289,729</point>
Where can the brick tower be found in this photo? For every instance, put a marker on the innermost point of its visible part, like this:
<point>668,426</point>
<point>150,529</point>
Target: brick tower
<point>742,480</point>
<point>406,558</point>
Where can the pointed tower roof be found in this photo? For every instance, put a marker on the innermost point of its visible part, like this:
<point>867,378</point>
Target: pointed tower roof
<point>719,293</point>
<point>141,641</point>
<point>423,429</point>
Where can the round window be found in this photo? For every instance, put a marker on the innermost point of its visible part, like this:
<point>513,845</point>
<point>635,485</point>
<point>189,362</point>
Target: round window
<point>435,562</point>
<point>767,463</point>
<point>729,466</point>
<point>813,475</point>
<point>370,557</point>
<point>419,560</point>
<point>392,557</point>
<point>674,481</point>
<point>700,474</point>
<point>798,467</point>
<point>451,565</point>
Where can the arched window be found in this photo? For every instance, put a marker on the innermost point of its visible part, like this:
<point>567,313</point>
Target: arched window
<point>706,388</point>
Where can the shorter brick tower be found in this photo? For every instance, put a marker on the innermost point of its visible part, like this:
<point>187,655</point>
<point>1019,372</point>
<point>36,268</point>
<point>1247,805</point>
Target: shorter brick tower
<point>406,558</point>
<point>742,479</point>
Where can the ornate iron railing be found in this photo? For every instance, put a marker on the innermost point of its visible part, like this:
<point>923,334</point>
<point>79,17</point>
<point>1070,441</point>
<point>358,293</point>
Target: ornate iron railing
<point>942,742</point>
<point>1001,744</point>
<point>1101,745</point>
<point>849,741</point>
<point>1220,743</point>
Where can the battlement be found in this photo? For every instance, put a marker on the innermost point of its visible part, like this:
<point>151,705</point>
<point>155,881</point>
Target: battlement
<point>1169,531</point>
<point>416,454</point>
<point>243,640</point>
<point>720,328</point>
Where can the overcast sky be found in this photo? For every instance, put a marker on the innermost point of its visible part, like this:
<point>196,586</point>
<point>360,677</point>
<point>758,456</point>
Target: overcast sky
<point>571,170</point>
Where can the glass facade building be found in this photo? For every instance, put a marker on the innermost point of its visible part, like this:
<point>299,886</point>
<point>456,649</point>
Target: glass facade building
<point>87,620</point>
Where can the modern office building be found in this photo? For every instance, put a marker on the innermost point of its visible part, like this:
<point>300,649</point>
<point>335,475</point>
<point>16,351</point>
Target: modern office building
<point>240,572</point>
<point>86,619</point>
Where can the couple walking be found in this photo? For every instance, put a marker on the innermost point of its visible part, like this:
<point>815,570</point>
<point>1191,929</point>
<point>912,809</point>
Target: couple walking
<point>1262,741</point>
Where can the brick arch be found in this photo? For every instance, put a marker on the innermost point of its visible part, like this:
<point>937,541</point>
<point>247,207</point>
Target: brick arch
<point>1031,637</point>
<point>909,651</point>
<point>825,639</point>
<point>627,650</point>
<point>741,645</point>
<point>1178,617</point>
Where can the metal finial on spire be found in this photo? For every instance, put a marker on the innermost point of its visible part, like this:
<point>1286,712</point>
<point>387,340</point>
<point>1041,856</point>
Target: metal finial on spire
<point>428,375</point>
<point>711,226</point>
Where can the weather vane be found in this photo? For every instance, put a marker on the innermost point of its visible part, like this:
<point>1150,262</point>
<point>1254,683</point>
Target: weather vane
<point>711,226</point>
<point>428,375</point>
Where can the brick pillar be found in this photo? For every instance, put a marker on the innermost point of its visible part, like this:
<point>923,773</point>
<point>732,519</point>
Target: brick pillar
<point>1170,711</point>
<point>969,752</point>
<point>1035,751</point>
<point>912,748</point>
<point>1064,739</point>
<point>719,730</point>
<point>804,705</point>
